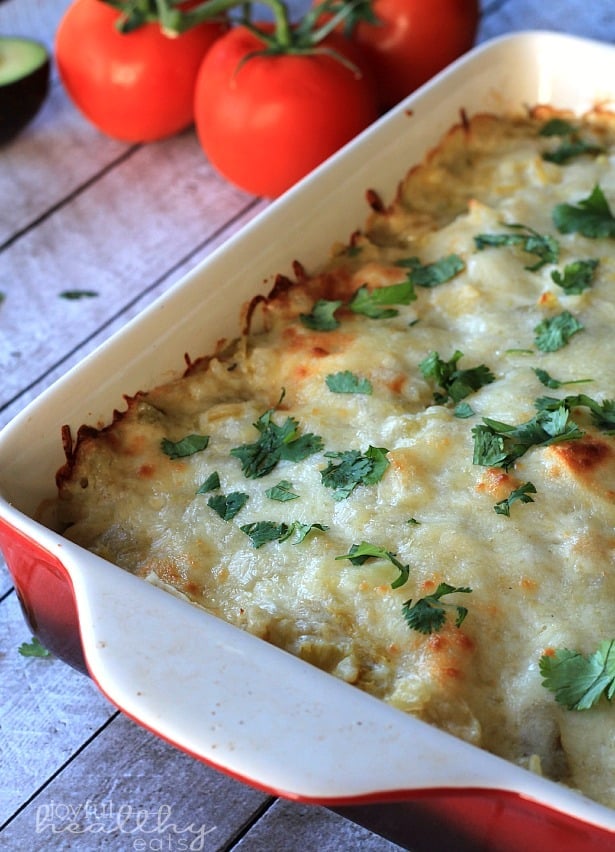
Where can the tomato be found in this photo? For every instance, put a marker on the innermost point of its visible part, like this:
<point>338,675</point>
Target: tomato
<point>413,40</point>
<point>265,121</point>
<point>138,86</point>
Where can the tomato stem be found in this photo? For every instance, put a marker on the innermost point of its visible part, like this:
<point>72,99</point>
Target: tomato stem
<point>175,18</point>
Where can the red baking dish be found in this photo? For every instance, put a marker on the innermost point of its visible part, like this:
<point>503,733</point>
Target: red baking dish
<point>240,704</point>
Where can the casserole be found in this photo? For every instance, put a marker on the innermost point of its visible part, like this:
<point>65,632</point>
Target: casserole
<point>356,744</point>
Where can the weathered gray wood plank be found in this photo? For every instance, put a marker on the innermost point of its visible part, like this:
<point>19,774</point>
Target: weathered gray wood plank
<point>98,242</point>
<point>47,712</point>
<point>130,790</point>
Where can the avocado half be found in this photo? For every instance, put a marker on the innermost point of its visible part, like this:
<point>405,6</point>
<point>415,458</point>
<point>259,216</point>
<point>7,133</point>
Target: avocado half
<point>24,83</point>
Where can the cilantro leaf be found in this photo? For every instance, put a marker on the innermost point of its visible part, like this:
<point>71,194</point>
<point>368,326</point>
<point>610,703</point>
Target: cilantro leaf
<point>301,531</point>
<point>428,614</point>
<point>360,553</point>
<point>74,295</point>
<point>370,302</point>
<point>187,446</point>
<point>498,444</point>
<point>554,333</point>
<point>34,649</point>
<point>347,382</point>
<point>602,413</point>
<point>502,507</point>
<point>211,483</point>
<point>322,316</point>
<point>354,468</point>
<point>463,411</point>
<point>262,532</point>
<point>275,444</point>
<point>576,277</point>
<point>545,247</point>
<point>432,274</point>
<point>591,217</point>
<point>557,127</point>
<point>549,382</point>
<point>282,492</point>
<point>579,682</point>
<point>228,505</point>
<point>456,384</point>
<point>571,145</point>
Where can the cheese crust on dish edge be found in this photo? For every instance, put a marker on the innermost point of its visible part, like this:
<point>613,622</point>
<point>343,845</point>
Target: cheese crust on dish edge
<point>403,472</point>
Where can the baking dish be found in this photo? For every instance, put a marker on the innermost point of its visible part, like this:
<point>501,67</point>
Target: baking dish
<point>240,704</point>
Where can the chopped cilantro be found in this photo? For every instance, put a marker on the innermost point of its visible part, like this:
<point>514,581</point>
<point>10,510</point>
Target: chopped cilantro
<point>74,295</point>
<point>545,247</point>
<point>211,483</point>
<point>370,302</point>
<point>276,443</point>
<point>347,382</point>
<point>428,614</point>
<point>456,384</point>
<point>34,649</point>
<point>571,145</point>
<point>557,127</point>
<point>187,446</point>
<point>602,413</point>
<point>282,492</point>
<point>549,382</point>
<point>360,553</point>
<point>432,274</point>
<point>554,333</point>
<point>579,681</point>
<point>522,494</point>
<point>591,217</point>
<point>354,468</point>
<point>262,532</point>
<point>228,505</point>
<point>576,277</point>
<point>463,411</point>
<point>498,444</point>
<point>322,316</point>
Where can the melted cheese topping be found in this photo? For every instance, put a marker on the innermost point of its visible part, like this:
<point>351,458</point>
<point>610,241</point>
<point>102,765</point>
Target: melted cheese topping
<point>540,578</point>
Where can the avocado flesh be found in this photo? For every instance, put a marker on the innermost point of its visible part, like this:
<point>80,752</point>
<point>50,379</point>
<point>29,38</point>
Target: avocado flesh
<point>24,83</point>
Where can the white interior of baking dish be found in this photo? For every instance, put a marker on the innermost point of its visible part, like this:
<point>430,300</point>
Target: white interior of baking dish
<point>209,688</point>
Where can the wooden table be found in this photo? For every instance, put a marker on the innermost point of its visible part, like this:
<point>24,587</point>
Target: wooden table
<point>80,211</point>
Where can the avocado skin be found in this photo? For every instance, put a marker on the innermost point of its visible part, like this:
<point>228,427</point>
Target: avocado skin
<point>21,100</point>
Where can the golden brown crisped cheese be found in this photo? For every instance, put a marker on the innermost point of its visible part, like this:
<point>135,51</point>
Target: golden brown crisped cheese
<point>393,400</point>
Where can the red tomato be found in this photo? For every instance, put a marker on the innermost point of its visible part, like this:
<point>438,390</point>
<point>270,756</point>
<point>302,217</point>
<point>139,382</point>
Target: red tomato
<point>266,122</point>
<point>138,86</point>
<point>413,40</point>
